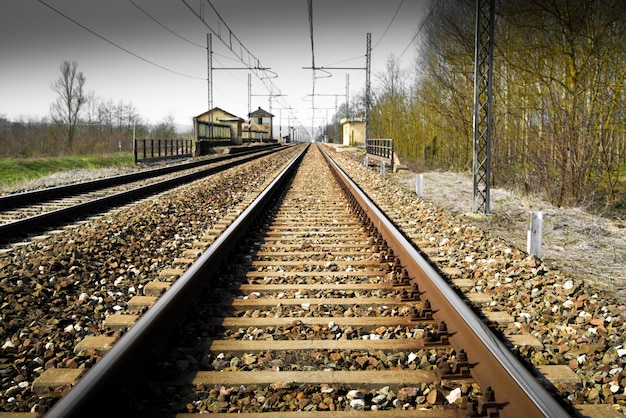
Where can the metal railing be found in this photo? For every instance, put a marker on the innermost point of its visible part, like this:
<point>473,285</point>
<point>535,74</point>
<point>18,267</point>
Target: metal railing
<point>150,150</point>
<point>380,149</point>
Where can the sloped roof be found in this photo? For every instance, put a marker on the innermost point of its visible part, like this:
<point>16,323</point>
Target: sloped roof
<point>260,113</point>
<point>221,110</point>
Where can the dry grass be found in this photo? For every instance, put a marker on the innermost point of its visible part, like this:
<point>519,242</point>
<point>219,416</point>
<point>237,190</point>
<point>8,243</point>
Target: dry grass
<point>585,246</point>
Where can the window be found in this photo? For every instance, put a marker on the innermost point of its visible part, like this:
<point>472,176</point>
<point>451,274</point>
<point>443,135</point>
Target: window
<point>260,121</point>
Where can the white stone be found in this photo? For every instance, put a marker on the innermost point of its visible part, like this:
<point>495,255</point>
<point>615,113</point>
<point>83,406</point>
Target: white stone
<point>454,395</point>
<point>8,344</point>
<point>354,394</point>
<point>357,404</point>
<point>379,398</point>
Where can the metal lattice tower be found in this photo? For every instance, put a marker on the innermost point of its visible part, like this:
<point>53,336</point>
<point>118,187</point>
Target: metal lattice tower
<point>209,47</point>
<point>368,70</point>
<point>483,91</point>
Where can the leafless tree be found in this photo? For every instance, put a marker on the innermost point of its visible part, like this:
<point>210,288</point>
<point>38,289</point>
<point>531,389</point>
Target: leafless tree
<point>71,97</point>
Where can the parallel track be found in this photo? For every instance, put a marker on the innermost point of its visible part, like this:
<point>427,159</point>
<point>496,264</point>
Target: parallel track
<point>315,275</point>
<point>26,213</point>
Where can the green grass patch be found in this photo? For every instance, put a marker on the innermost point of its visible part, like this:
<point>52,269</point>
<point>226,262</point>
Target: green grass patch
<point>16,170</point>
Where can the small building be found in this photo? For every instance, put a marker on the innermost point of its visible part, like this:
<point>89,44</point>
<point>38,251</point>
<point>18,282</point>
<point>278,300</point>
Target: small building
<point>263,121</point>
<point>216,127</point>
<point>353,132</point>
<point>252,132</point>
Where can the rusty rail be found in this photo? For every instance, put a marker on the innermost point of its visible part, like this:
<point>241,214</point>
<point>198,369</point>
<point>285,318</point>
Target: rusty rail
<point>517,387</point>
<point>129,358</point>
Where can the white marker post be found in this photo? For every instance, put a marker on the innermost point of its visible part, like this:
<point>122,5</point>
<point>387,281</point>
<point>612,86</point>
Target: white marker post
<point>534,234</point>
<point>419,185</point>
<point>382,169</point>
<point>365,162</point>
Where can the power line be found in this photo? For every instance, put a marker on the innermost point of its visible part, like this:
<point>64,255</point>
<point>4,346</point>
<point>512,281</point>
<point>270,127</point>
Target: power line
<point>239,50</point>
<point>116,45</point>
<point>165,27</point>
<point>176,34</point>
<point>245,60</point>
<point>420,28</point>
<point>342,61</point>
<point>389,25</point>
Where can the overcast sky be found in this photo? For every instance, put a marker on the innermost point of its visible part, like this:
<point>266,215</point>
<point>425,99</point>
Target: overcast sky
<point>35,40</point>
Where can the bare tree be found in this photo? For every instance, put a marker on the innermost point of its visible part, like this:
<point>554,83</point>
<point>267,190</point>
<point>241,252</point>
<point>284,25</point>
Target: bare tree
<point>69,86</point>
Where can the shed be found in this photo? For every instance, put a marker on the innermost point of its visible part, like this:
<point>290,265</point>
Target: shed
<point>353,132</point>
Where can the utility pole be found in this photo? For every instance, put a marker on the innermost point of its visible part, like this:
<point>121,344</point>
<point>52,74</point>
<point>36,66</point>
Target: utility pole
<point>483,92</point>
<point>347,96</point>
<point>249,93</point>
<point>209,49</point>
<point>368,70</point>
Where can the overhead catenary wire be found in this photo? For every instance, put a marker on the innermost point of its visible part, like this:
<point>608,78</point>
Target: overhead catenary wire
<point>165,27</point>
<point>432,9</point>
<point>117,45</point>
<point>389,25</point>
<point>242,53</point>
<point>155,20</point>
<point>310,12</point>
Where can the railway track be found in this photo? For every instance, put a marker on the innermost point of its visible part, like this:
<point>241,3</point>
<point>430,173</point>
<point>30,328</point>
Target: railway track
<point>323,308</point>
<point>26,213</point>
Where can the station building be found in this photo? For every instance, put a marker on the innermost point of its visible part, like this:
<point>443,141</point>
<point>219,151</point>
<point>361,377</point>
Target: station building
<point>216,127</point>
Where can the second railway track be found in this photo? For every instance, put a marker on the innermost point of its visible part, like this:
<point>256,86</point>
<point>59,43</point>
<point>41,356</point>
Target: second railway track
<point>28,212</point>
<point>322,309</point>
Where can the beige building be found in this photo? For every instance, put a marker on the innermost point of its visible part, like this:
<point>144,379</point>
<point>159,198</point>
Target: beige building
<point>218,126</point>
<point>353,132</point>
<point>262,121</point>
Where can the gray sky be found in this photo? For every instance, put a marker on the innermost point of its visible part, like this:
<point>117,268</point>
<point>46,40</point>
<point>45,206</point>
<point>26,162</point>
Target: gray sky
<point>34,40</point>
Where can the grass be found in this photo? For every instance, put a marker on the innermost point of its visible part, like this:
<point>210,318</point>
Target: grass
<point>16,170</point>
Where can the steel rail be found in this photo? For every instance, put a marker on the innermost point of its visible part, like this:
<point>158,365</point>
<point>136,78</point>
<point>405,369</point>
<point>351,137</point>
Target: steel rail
<point>25,226</point>
<point>516,387</point>
<point>16,200</point>
<point>100,392</point>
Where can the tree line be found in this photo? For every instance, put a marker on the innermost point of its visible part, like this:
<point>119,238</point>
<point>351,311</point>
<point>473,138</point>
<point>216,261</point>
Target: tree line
<point>80,122</point>
<point>559,105</point>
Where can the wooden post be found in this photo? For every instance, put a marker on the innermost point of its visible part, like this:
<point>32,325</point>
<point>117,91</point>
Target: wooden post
<point>534,234</point>
<point>419,185</point>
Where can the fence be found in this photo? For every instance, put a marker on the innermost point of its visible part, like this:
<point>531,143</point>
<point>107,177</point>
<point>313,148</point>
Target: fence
<point>151,150</point>
<point>213,134</point>
<point>380,149</point>
<point>254,136</point>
